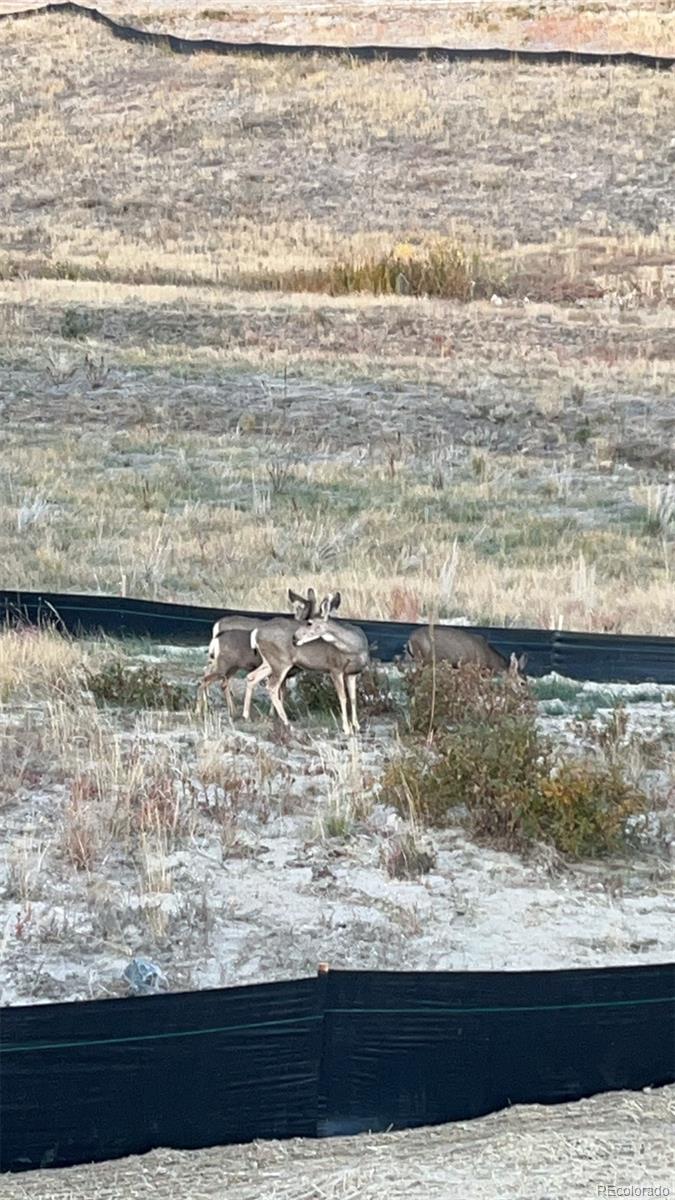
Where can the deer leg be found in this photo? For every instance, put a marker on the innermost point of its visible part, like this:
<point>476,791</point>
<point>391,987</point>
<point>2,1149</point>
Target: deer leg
<point>262,672</point>
<point>228,696</point>
<point>338,680</point>
<point>207,678</point>
<point>351,691</point>
<point>276,697</point>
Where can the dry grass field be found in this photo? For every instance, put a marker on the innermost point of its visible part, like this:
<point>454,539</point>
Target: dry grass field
<point>200,432</point>
<point>403,330</point>
<point>603,25</point>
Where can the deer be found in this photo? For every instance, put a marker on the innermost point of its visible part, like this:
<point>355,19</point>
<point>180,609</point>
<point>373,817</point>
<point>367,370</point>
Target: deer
<point>443,643</point>
<point>316,643</point>
<point>230,648</point>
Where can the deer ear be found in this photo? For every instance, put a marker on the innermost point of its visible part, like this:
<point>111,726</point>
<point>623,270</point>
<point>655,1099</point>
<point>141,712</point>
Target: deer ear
<point>324,607</point>
<point>522,663</point>
<point>335,600</point>
<point>294,597</point>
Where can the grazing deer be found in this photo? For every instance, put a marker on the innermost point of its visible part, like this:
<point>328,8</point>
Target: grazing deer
<point>317,643</point>
<point>443,643</point>
<point>230,649</point>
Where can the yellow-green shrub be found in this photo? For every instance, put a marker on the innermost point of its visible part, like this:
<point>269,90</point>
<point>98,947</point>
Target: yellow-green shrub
<point>490,764</point>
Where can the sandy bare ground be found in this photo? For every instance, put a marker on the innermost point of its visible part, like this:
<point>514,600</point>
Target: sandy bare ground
<point>262,816</point>
<point>619,1140</point>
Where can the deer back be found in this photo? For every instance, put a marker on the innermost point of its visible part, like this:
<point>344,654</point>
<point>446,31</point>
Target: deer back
<point>445,644</point>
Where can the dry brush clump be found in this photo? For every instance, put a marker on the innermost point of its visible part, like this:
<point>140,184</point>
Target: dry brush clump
<point>140,685</point>
<point>441,696</point>
<point>348,796</point>
<point>490,763</point>
<point>406,856</point>
<point>446,270</point>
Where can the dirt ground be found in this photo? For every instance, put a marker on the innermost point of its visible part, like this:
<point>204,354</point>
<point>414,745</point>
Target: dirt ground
<point>592,1148</point>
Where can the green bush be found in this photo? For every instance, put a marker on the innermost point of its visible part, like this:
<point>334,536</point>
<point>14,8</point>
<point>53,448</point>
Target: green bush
<point>487,770</point>
<point>314,693</point>
<point>440,695</point>
<point>141,686</point>
<point>489,764</point>
<point>584,809</point>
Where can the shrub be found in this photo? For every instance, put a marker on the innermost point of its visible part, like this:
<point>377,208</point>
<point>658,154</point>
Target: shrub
<point>446,270</point>
<point>556,687</point>
<point>315,693</point>
<point>404,857</point>
<point>141,686</point>
<point>74,324</point>
<point>584,809</point>
<point>503,780</point>
<point>441,695</point>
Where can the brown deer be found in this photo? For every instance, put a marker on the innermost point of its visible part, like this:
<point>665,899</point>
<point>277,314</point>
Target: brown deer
<point>445,643</point>
<point>230,648</point>
<point>316,643</point>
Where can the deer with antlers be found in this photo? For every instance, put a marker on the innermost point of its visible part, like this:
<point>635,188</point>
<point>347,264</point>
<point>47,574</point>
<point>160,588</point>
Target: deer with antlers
<point>316,642</point>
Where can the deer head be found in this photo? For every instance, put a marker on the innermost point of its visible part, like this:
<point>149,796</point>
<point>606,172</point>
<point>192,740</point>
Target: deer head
<point>303,607</point>
<point>319,626</point>
<point>517,665</point>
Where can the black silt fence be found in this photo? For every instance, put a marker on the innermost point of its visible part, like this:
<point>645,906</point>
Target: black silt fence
<point>344,1052</point>
<point>595,656</point>
<point>411,1048</point>
<point>103,1079</point>
<point>182,45</point>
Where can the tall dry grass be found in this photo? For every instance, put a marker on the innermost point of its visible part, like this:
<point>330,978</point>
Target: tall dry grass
<point>38,664</point>
<point>503,541</point>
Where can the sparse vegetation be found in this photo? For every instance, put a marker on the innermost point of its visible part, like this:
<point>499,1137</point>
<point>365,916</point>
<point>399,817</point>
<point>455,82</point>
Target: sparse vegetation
<point>138,686</point>
<point>491,762</point>
<point>454,415</point>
